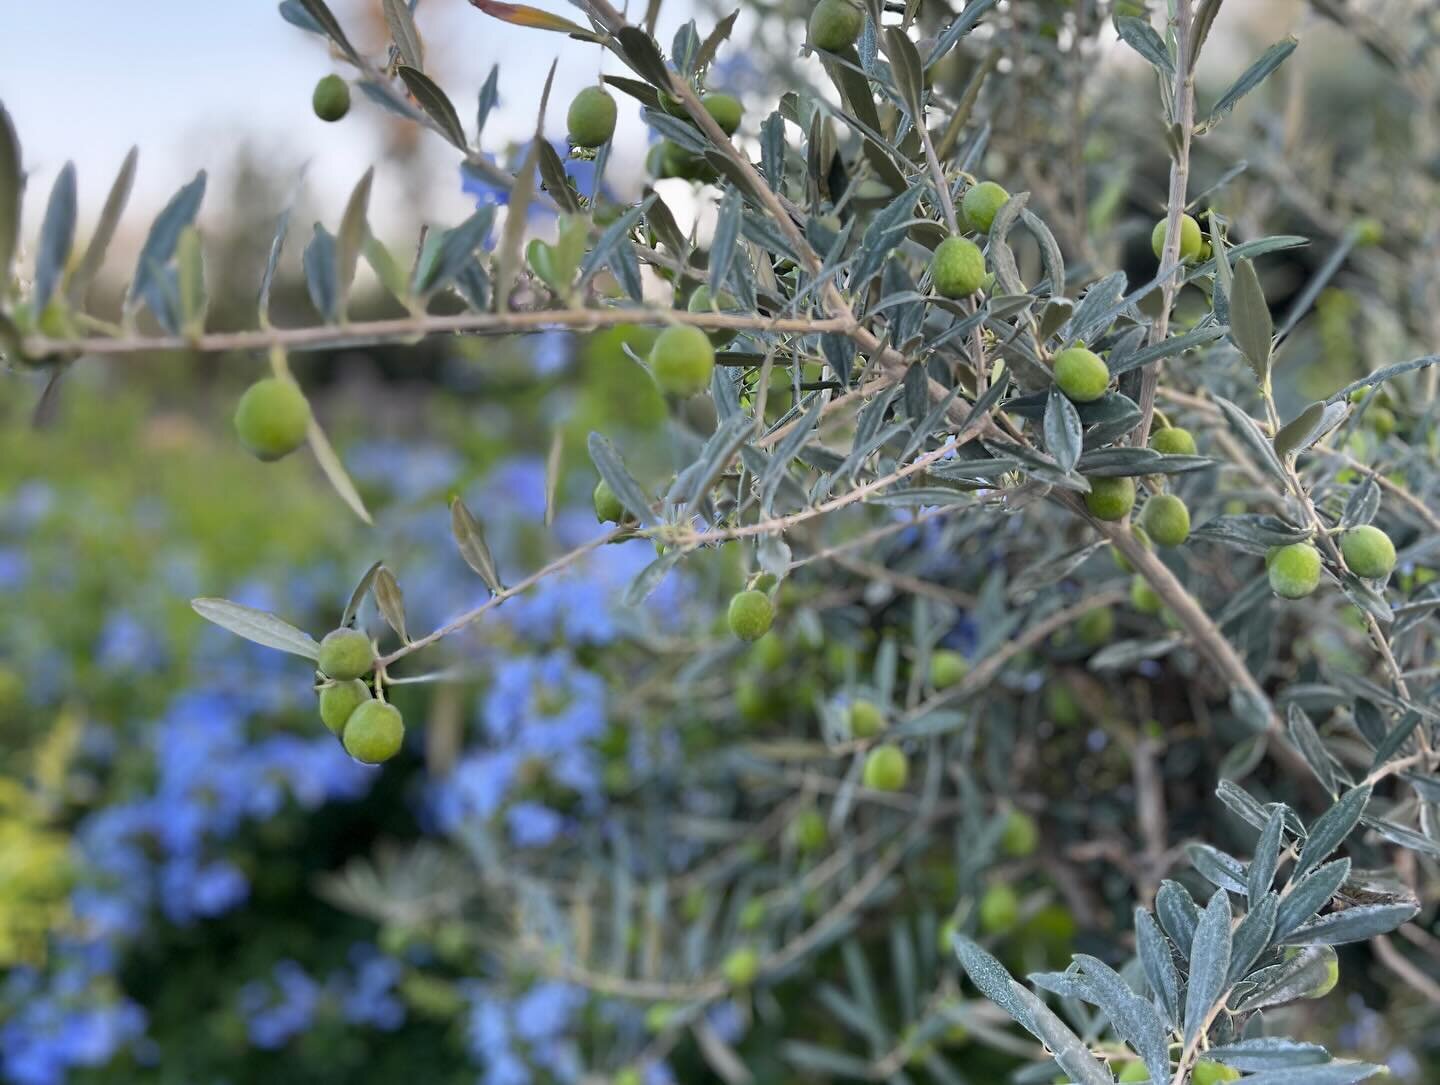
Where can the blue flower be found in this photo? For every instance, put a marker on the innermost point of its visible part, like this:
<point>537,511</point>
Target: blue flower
<point>14,568</point>
<point>533,825</point>
<point>277,1010</point>
<point>550,351</point>
<point>369,997</point>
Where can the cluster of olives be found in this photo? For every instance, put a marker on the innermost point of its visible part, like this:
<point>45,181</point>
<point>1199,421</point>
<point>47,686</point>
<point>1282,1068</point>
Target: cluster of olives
<point>1294,570</point>
<point>668,159</point>
<point>371,730</point>
<point>957,267</point>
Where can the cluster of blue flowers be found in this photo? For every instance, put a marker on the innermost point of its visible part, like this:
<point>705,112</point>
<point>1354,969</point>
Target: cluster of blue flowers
<point>214,762</point>
<point>285,1003</point>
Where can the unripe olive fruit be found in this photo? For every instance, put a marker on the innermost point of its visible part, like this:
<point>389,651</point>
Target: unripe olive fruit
<point>958,268</point>
<point>808,831</point>
<point>769,653</point>
<point>629,1076</point>
<point>886,769</point>
<point>700,302</point>
<point>835,25</point>
<point>331,99</point>
<point>1121,561</point>
<point>591,118</point>
<point>1294,570</point>
<point>1208,1072</point>
<point>374,732</point>
<point>1173,441</point>
<point>1020,836</point>
<point>1190,239</point>
<point>750,614</point>
<point>272,418</point>
<point>1368,552</point>
<point>1110,498</point>
<point>947,668</point>
<point>999,909</point>
<point>1062,706</point>
<point>1381,419</point>
<point>1368,231</point>
<point>1096,627</point>
<point>1133,1072</point>
<point>726,109</point>
<point>607,506</point>
<point>752,915</point>
<point>866,719</point>
<point>1166,519</point>
<point>1332,972</point>
<point>1081,374</point>
<point>337,701</point>
<point>981,202</point>
<point>682,360</point>
<point>346,654</point>
<point>1143,597</point>
<point>741,967</point>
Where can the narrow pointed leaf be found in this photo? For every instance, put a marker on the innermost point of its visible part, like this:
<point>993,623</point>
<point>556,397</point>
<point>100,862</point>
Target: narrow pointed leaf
<point>391,602</point>
<point>164,235</point>
<point>1251,327</point>
<point>1309,895</point>
<point>1159,964</point>
<point>335,473</point>
<point>1330,830</point>
<point>353,229</point>
<point>99,244</point>
<point>470,538</point>
<point>403,33</point>
<point>612,469</point>
<point>57,236</point>
<point>1251,78</point>
<point>1261,874</point>
<point>1209,964</point>
<point>12,187</point>
<point>435,103</point>
<point>1358,924</point>
<point>358,593</point>
<point>259,626</point>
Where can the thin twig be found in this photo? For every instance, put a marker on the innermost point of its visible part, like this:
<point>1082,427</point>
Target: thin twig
<point>322,336</point>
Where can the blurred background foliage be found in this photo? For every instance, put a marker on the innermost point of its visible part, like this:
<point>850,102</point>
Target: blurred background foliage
<point>197,886</point>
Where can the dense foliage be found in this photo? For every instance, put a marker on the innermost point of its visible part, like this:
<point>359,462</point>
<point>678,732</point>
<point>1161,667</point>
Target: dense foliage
<point>1016,555</point>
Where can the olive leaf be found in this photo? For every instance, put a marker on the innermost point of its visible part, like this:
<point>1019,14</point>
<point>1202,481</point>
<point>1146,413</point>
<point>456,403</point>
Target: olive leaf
<point>259,626</point>
<point>470,538</point>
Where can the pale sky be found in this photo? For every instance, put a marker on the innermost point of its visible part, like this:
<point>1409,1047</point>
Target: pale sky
<point>191,81</point>
<point>188,82</point>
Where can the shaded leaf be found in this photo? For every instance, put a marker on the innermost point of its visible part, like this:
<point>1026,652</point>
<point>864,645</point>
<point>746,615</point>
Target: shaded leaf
<point>612,469</point>
<point>470,538</point>
<point>391,602</point>
<point>358,593</point>
<point>435,103</point>
<point>1251,78</point>
<point>1209,964</point>
<point>1141,36</point>
<point>12,187</point>
<point>1330,830</point>
<point>57,236</point>
<point>1251,327</point>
